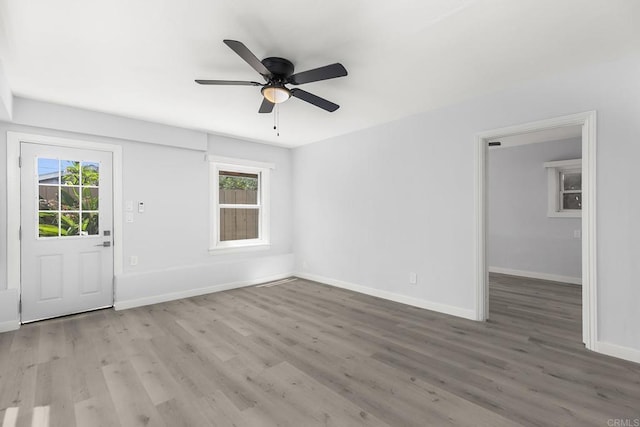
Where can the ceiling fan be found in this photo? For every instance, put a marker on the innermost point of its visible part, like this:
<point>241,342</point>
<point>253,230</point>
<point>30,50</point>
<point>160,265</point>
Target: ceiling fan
<point>278,72</point>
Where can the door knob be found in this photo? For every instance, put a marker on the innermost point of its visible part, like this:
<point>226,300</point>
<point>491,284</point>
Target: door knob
<point>105,244</point>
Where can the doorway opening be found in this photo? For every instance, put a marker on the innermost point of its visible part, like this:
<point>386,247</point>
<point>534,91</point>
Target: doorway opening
<point>584,124</point>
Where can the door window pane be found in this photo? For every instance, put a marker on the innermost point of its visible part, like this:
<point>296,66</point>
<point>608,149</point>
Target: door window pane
<point>70,171</point>
<point>69,199</point>
<point>48,197</point>
<point>90,225</point>
<point>90,198</point>
<point>70,224</point>
<point>48,224</point>
<point>48,171</point>
<point>90,173</point>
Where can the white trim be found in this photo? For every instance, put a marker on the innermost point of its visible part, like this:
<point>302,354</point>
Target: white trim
<point>14,139</point>
<point>537,275</point>
<point>236,249</point>
<point>239,162</point>
<point>480,247</point>
<point>627,353</point>
<point>391,296</point>
<point>13,214</point>
<point>156,299</point>
<point>589,232</point>
<point>589,262</point>
<point>563,163</point>
<point>10,325</point>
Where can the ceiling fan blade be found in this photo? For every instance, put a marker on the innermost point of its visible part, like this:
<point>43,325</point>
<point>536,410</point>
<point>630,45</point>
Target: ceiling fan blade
<point>227,83</point>
<point>266,106</point>
<point>323,73</point>
<point>248,56</point>
<point>315,100</point>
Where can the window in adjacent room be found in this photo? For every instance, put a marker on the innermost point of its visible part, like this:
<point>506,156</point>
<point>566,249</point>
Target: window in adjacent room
<point>240,204</point>
<point>564,188</point>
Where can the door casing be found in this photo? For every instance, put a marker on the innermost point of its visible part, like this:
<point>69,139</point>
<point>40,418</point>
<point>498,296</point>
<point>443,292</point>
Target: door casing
<point>589,265</point>
<point>13,199</point>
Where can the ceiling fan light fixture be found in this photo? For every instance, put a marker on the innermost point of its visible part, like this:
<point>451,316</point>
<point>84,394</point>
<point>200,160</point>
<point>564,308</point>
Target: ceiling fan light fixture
<point>276,94</point>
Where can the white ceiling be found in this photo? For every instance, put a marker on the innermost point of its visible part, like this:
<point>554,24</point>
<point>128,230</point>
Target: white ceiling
<point>139,58</point>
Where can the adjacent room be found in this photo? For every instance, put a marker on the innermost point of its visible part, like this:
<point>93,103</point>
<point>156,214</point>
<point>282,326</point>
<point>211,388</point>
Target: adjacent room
<point>408,213</point>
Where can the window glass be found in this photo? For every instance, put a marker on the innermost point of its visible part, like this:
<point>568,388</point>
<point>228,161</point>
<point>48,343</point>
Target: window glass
<point>90,173</point>
<point>70,172</point>
<point>70,224</point>
<point>572,181</point>
<point>237,188</point>
<point>48,224</point>
<point>239,224</point>
<point>68,197</point>
<point>48,197</point>
<point>572,201</point>
<point>49,171</point>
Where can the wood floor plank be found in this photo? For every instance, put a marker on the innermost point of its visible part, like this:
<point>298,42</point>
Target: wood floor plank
<point>133,406</point>
<point>97,411</point>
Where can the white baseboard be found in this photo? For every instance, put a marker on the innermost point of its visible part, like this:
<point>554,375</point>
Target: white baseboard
<point>536,275</point>
<point>155,299</point>
<point>11,325</point>
<point>618,351</point>
<point>416,302</point>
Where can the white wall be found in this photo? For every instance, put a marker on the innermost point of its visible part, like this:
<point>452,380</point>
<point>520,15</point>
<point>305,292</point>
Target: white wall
<point>171,238</point>
<point>373,205</point>
<point>521,237</point>
<point>6,97</point>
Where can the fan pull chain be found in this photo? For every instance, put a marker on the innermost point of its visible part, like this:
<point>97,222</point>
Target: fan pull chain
<point>276,120</point>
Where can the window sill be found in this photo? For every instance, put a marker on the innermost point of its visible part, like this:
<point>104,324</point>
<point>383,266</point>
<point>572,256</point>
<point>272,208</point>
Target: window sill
<point>239,249</point>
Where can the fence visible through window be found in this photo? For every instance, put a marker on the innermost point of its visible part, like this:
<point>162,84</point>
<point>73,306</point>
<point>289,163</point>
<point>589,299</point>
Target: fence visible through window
<point>239,206</point>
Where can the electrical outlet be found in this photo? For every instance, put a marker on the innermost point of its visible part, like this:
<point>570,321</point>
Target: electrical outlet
<point>133,260</point>
<point>413,278</point>
<point>305,266</point>
<point>128,217</point>
<point>576,234</point>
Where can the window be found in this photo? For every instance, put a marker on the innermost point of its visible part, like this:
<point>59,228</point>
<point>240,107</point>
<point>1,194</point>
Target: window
<point>240,204</point>
<point>565,188</point>
<point>68,197</point>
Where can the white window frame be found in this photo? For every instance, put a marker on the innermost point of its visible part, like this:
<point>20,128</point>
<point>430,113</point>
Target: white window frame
<point>555,170</point>
<point>263,170</point>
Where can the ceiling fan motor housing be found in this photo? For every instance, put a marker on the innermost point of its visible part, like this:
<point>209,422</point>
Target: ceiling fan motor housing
<point>280,68</point>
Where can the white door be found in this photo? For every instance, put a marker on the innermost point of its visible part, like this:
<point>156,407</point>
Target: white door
<point>66,230</point>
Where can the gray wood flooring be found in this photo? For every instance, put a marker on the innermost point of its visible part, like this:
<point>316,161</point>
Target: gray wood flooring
<point>306,354</point>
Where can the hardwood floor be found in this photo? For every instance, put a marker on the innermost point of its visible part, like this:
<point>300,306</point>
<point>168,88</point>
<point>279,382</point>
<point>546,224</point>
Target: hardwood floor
<point>306,354</point>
